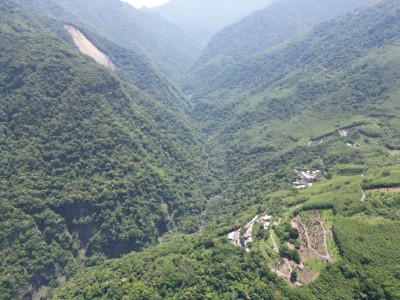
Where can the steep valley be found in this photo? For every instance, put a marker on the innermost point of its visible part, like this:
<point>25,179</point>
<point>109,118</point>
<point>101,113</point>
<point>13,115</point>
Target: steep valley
<point>277,178</point>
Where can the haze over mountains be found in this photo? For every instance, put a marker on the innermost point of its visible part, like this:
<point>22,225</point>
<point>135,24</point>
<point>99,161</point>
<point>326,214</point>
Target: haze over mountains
<point>263,30</point>
<point>137,165</point>
<point>203,19</point>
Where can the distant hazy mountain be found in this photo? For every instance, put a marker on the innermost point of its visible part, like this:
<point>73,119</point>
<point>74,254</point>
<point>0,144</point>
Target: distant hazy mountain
<point>204,18</point>
<point>148,34</point>
<point>263,29</point>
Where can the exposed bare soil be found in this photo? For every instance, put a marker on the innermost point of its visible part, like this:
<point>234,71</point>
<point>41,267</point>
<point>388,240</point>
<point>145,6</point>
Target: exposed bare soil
<point>87,48</point>
<point>394,152</point>
<point>313,235</point>
<point>388,190</point>
<point>282,267</point>
<point>344,132</point>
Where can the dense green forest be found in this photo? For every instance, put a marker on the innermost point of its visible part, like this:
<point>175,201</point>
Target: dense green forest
<point>116,185</point>
<point>90,165</point>
<point>214,269</point>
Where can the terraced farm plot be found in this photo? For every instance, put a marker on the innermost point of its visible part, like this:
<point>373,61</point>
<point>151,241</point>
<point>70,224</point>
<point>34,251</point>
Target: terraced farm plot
<point>313,235</point>
<point>315,244</point>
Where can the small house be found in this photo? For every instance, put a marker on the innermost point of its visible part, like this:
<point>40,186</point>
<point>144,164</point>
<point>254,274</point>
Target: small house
<point>234,236</point>
<point>307,177</point>
<point>247,235</point>
<point>266,218</point>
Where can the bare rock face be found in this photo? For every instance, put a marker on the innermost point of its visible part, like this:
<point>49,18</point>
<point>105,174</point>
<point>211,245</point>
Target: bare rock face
<point>87,48</point>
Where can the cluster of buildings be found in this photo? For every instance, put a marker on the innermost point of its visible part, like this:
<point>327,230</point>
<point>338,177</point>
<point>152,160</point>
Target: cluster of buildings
<point>234,236</point>
<point>306,178</point>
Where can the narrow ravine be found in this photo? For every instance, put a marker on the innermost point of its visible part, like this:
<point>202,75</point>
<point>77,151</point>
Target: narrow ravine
<point>203,221</point>
<point>205,153</point>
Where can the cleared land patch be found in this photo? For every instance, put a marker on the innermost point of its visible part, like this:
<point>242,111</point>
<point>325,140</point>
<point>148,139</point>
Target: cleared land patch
<point>315,246</point>
<point>86,47</point>
<point>388,190</point>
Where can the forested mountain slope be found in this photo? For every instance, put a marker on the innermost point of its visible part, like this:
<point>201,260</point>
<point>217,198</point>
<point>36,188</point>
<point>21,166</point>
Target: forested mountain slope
<point>350,62</point>
<point>203,19</point>
<point>325,102</point>
<point>161,42</point>
<point>136,70</point>
<point>260,31</point>
<point>215,269</point>
<point>90,166</point>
